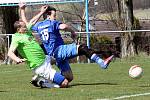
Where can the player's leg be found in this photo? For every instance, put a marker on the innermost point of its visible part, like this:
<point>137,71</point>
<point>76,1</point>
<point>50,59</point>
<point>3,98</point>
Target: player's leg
<point>62,54</point>
<point>50,75</point>
<point>39,81</point>
<point>72,50</point>
<point>65,69</point>
<point>84,50</point>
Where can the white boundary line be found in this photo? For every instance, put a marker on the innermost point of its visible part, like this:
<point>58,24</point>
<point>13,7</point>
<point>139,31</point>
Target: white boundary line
<point>7,71</point>
<point>126,96</point>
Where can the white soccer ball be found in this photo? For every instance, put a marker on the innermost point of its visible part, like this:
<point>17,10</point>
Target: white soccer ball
<point>135,72</point>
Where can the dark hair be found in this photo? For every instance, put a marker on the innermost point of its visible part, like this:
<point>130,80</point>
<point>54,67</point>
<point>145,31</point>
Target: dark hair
<point>17,24</point>
<point>48,11</point>
<point>50,8</point>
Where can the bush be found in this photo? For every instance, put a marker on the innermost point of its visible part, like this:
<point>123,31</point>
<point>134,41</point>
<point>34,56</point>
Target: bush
<point>99,40</point>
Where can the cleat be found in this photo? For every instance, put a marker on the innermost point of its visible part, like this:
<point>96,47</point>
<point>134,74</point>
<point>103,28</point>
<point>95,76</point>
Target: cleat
<point>47,84</point>
<point>38,81</point>
<point>107,61</point>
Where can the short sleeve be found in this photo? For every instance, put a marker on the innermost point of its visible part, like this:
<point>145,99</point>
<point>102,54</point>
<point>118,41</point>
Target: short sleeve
<point>14,41</point>
<point>35,27</point>
<point>57,23</point>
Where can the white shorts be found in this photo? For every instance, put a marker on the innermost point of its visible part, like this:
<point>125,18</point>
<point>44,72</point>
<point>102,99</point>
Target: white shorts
<point>45,70</point>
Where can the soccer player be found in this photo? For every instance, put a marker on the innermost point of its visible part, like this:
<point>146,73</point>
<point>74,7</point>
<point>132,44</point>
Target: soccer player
<point>54,44</point>
<point>31,52</point>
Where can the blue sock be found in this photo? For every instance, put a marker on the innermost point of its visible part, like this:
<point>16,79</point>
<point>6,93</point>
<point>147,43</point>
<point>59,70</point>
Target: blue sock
<point>58,78</point>
<point>98,60</point>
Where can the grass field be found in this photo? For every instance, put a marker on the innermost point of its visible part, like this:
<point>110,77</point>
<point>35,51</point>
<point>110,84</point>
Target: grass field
<point>90,83</point>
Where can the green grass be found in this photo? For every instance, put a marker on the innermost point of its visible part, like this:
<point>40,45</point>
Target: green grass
<point>90,83</point>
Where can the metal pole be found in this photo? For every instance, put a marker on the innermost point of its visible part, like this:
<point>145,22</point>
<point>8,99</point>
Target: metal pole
<point>87,24</point>
<point>7,42</point>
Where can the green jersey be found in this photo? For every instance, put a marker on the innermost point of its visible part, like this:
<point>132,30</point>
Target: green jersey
<point>28,48</point>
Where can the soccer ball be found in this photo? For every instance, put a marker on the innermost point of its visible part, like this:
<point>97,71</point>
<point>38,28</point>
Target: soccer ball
<point>135,72</point>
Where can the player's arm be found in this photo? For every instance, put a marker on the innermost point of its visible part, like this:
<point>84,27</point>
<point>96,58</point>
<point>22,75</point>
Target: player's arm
<point>37,17</point>
<point>12,55</point>
<point>22,7</point>
<point>69,29</point>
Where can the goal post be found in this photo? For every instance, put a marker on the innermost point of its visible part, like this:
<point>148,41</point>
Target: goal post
<point>5,3</point>
<point>36,2</point>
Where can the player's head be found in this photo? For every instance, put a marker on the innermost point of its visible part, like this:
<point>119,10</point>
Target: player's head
<point>50,13</point>
<point>20,26</point>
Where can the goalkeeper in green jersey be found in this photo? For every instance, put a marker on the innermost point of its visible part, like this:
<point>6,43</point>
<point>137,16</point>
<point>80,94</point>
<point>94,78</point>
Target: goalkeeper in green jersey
<point>31,52</point>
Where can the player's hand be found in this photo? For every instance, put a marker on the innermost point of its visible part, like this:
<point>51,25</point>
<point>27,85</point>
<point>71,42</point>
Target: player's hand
<point>22,5</point>
<point>44,8</point>
<point>21,60</point>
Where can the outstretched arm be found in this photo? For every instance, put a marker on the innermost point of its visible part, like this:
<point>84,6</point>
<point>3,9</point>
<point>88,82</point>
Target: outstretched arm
<point>37,17</point>
<point>34,19</point>
<point>69,29</point>
<point>22,7</point>
<point>12,55</point>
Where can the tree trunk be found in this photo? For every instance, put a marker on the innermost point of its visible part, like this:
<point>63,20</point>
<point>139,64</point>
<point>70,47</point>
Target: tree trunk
<point>123,46</point>
<point>119,8</point>
<point>127,38</point>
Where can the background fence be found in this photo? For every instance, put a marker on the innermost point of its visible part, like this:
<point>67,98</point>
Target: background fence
<point>104,43</point>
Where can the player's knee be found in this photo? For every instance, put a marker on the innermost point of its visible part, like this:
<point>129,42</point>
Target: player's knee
<point>70,78</point>
<point>60,80</point>
<point>68,75</point>
<point>64,84</point>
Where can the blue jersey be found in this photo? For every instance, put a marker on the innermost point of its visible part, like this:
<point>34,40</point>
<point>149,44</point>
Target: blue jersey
<point>49,34</point>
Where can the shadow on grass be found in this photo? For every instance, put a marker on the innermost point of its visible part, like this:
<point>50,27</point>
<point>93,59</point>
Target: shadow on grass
<point>78,84</point>
<point>3,91</point>
<point>84,84</point>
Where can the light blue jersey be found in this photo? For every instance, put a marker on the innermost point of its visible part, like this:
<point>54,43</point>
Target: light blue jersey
<point>50,35</point>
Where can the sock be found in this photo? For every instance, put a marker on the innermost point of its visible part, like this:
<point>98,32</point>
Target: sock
<point>97,59</point>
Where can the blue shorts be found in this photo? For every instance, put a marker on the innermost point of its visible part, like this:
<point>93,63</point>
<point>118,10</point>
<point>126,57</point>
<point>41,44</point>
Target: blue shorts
<point>63,53</point>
